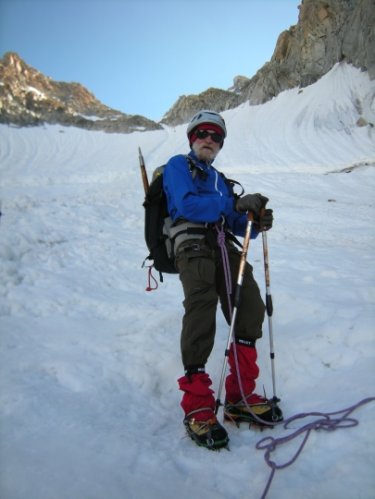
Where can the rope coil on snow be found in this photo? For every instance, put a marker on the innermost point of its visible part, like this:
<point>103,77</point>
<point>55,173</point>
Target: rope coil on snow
<point>325,422</point>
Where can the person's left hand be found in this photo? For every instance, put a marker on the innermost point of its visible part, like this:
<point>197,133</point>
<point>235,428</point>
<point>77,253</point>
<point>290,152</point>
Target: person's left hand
<point>264,221</point>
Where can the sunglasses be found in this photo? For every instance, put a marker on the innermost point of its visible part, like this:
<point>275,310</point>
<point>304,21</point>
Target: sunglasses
<point>203,134</point>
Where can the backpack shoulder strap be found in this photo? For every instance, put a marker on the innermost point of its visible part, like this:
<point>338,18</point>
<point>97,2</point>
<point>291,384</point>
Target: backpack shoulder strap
<point>231,183</point>
<point>193,168</point>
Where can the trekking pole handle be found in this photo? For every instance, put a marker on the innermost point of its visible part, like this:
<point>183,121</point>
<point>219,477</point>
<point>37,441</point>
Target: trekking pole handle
<point>142,166</point>
<point>269,305</point>
<point>245,249</point>
<point>250,218</point>
<point>262,212</point>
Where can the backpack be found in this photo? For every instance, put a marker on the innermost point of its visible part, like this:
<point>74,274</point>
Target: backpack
<point>158,223</point>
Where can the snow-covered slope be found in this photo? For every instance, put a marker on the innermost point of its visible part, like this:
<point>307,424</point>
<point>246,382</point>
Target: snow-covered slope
<point>89,404</point>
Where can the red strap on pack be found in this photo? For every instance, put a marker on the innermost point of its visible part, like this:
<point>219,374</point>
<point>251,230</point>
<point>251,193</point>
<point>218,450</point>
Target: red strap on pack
<point>151,278</point>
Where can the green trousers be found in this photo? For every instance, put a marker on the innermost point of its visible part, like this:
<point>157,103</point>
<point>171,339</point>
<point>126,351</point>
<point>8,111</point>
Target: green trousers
<point>202,276</point>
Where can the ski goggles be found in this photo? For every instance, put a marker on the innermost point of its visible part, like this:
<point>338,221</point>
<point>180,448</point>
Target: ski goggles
<point>215,137</point>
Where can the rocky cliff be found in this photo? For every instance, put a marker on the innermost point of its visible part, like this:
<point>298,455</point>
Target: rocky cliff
<point>327,32</point>
<point>27,97</point>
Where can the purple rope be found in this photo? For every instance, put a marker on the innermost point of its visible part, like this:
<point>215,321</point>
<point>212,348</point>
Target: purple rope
<point>324,422</point>
<point>226,266</point>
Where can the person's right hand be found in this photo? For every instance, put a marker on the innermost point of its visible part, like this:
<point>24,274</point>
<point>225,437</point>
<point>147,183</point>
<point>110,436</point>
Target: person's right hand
<point>251,202</point>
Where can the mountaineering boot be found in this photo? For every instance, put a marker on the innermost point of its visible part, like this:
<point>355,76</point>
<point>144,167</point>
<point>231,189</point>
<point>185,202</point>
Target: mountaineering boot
<point>241,381</point>
<point>198,404</point>
<point>255,410</point>
<point>210,434</point>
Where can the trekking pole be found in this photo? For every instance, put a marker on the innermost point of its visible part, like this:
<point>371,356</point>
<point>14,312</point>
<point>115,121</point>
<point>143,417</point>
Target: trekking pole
<point>241,272</point>
<point>269,309</point>
<point>142,166</point>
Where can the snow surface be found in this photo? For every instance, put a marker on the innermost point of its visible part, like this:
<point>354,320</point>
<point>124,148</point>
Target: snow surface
<point>89,360</point>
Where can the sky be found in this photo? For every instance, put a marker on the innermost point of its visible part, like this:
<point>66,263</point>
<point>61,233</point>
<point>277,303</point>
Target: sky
<point>140,56</point>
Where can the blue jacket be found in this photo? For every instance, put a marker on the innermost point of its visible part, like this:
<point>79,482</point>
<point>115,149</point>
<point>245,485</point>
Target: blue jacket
<point>205,198</point>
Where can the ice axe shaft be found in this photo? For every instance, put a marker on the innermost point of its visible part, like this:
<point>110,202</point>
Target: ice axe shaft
<point>142,166</point>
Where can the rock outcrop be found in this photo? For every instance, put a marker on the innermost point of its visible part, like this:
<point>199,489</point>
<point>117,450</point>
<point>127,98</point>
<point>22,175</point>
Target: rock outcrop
<point>213,98</point>
<point>327,32</point>
<point>27,97</point>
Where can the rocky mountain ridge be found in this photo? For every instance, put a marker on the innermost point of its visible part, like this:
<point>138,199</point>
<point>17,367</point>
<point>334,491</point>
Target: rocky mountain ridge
<point>27,97</point>
<point>327,32</point>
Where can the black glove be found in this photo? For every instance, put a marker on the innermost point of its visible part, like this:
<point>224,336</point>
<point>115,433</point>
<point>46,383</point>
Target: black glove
<point>251,202</point>
<point>265,221</point>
